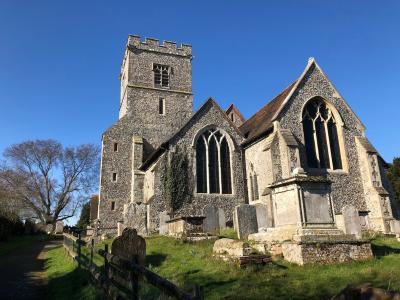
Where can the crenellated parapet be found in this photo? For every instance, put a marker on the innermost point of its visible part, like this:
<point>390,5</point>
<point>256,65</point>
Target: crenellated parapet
<point>153,45</point>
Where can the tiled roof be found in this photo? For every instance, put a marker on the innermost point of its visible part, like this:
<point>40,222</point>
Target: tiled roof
<point>261,122</point>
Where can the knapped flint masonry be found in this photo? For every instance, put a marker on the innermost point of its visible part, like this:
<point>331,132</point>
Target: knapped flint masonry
<point>304,156</point>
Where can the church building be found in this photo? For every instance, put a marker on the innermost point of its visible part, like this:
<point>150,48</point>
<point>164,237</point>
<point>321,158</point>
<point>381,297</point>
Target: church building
<point>300,160</point>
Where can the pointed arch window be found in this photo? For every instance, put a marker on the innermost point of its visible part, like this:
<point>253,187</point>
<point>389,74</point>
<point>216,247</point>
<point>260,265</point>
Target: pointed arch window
<point>321,136</point>
<point>213,166</point>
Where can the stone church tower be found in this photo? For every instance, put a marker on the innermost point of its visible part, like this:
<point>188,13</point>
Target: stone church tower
<point>156,100</point>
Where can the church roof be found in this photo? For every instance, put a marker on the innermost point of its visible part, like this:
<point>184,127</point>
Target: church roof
<point>261,122</point>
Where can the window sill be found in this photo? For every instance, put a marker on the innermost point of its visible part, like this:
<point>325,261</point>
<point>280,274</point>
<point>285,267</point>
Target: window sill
<point>162,87</point>
<point>213,194</point>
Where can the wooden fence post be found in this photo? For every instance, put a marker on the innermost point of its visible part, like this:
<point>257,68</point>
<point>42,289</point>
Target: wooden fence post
<point>91,253</point>
<point>198,292</point>
<point>135,280</point>
<point>106,262</point>
<point>79,249</point>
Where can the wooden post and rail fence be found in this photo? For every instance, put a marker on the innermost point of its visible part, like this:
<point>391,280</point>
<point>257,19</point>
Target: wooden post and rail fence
<point>121,278</point>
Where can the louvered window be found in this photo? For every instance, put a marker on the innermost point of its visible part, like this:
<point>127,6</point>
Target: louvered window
<point>161,75</point>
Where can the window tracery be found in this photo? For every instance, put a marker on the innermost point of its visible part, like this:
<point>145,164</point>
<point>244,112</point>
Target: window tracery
<point>321,136</point>
<point>213,166</point>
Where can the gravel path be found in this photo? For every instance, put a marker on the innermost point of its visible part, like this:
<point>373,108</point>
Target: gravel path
<point>21,272</point>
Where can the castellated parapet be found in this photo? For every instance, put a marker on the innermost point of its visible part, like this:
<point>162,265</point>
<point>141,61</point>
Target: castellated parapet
<point>150,44</point>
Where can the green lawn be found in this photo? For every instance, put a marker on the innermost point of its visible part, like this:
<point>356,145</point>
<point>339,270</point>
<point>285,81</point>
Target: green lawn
<point>187,264</point>
<point>65,280</point>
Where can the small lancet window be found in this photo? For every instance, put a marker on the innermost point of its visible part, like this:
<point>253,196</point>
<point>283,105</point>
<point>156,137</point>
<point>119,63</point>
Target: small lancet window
<point>114,177</point>
<point>161,106</point>
<point>321,136</point>
<point>112,205</point>
<point>115,147</point>
<point>161,75</point>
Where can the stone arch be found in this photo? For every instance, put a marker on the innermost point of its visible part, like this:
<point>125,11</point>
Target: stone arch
<point>323,135</point>
<point>213,156</point>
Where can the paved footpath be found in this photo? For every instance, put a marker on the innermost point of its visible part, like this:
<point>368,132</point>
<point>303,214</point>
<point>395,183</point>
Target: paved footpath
<point>21,272</point>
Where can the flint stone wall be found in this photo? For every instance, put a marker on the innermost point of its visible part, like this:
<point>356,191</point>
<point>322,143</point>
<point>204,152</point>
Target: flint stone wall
<point>210,115</point>
<point>139,116</point>
<point>347,189</point>
<point>326,253</point>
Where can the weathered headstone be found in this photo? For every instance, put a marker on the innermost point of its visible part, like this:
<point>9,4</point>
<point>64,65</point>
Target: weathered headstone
<point>351,221</point>
<point>164,217</point>
<point>59,227</point>
<point>395,226</point>
<point>130,246</point>
<point>211,222</point>
<point>245,220</point>
<point>120,227</point>
<point>262,215</point>
<point>222,218</point>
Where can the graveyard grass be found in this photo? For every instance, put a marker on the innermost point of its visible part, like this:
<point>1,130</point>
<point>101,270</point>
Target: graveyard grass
<point>65,280</point>
<point>187,264</point>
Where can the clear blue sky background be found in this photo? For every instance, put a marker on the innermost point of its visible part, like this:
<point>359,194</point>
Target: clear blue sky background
<point>60,60</point>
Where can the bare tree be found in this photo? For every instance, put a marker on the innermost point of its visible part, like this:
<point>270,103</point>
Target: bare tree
<point>52,180</point>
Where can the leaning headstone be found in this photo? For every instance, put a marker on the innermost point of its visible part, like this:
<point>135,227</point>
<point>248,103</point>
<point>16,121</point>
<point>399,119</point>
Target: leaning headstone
<point>222,218</point>
<point>262,215</point>
<point>395,226</point>
<point>211,222</point>
<point>164,217</point>
<point>245,220</point>
<point>130,246</point>
<point>351,221</point>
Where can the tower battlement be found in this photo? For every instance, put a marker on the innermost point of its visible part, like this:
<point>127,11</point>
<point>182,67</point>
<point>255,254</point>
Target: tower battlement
<point>153,45</point>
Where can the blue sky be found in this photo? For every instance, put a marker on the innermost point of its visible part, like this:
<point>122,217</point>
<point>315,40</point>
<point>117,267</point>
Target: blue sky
<point>60,60</point>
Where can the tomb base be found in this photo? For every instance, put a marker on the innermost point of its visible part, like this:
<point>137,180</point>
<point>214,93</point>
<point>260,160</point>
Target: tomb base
<point>326,249</point>
<point>186,226</point>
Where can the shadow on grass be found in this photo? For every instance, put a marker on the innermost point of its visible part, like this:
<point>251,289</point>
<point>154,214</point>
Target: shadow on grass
<point>63,287</point>
<point>155,260</point>
<point>380,251</point>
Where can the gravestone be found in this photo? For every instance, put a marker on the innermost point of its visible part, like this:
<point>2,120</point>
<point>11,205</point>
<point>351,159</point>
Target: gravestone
<point>120,227</point>
<point>351,221</point>
<point>211,221</point>
<point>395,226</point>
<point>164,217</point>
<point>262,215</point>
<point>59,227</point>
<point>222,218</point>
<point>245,220</point>
<point>130,246</point>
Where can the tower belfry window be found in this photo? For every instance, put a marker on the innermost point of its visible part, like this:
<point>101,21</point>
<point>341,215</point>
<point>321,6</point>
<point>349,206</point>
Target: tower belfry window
<point>161,75</point>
